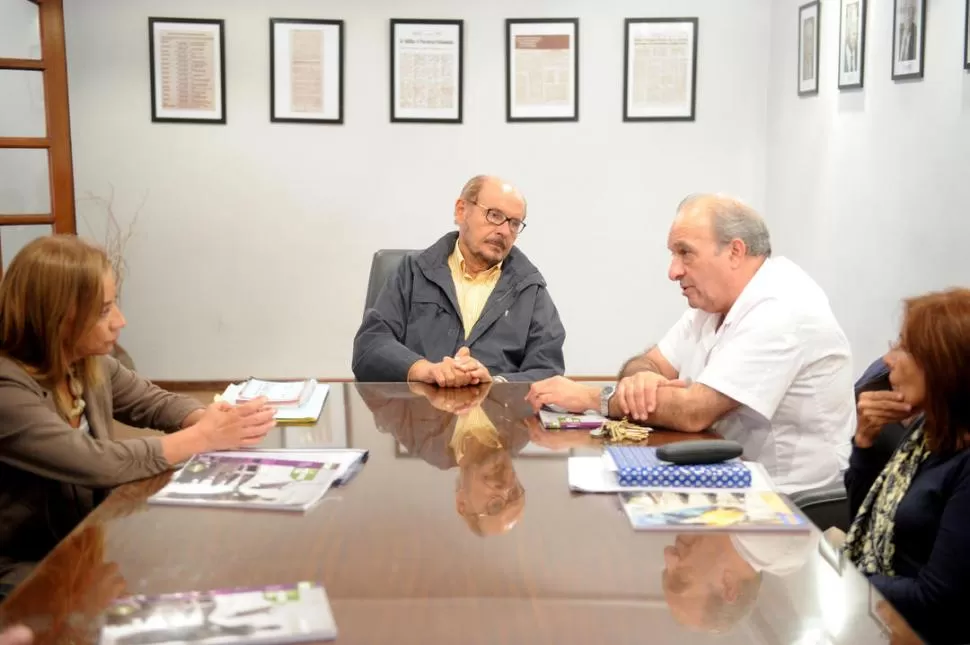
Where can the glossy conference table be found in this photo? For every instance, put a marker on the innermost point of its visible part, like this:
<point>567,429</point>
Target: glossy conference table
<point>525,561</point>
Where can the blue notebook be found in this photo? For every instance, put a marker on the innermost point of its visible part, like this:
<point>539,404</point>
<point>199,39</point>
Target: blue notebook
<point>639,466</point>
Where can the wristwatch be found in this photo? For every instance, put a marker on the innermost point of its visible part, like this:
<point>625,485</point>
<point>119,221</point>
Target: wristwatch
<point>605,395</point>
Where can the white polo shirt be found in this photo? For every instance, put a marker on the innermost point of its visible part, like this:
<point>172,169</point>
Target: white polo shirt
<point>781,354</point>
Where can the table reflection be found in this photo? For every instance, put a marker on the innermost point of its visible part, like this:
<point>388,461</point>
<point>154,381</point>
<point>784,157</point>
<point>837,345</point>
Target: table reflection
<point>469,429</point>
<point>712,581</point>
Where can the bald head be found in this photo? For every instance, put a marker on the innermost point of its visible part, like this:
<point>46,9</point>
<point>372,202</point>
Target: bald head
<point>491,184</point>
<point>730,219</point>
<point>490,215</point>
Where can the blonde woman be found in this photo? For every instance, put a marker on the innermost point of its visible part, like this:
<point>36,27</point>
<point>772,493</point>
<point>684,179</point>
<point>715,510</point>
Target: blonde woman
<point>59,392</point>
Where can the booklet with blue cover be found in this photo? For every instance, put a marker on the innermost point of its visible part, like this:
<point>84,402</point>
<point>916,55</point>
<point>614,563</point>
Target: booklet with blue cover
<point>640,466</point>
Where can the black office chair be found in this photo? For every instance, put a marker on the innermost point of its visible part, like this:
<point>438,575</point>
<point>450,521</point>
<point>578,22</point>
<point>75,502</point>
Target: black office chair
<point>385,262</point>
<point>828,506</point>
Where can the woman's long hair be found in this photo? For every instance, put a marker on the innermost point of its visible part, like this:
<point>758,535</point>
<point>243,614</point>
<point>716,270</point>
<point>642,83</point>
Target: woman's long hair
<point>50,296</point>
<point>936,333</point>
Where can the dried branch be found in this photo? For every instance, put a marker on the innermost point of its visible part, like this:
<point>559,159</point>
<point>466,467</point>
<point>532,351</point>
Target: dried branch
<point>115,241</point>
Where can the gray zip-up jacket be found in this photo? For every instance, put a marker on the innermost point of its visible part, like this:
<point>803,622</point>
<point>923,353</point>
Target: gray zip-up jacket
<point>519,335</point>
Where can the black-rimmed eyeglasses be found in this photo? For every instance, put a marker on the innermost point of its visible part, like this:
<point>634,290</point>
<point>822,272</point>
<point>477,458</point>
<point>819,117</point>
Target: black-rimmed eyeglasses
<point>498,218</point>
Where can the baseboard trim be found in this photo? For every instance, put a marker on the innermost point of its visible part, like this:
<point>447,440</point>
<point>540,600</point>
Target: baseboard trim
<point>219,385</point>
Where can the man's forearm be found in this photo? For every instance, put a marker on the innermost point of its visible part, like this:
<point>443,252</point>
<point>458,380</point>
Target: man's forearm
<point>639,363</point>
<point>676,410</point>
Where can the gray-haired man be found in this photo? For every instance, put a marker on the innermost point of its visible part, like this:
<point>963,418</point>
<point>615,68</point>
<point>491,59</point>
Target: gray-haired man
<point>759,356</point>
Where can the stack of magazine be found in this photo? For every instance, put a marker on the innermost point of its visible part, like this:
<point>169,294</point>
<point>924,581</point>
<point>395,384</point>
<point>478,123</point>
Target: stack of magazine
<point>287,480</point>
<point>262,615</point>
<point>295,401</point>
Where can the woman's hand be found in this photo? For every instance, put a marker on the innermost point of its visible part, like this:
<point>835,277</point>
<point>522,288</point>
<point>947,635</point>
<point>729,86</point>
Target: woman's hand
<point>225,427</point>
<point>875,410</point>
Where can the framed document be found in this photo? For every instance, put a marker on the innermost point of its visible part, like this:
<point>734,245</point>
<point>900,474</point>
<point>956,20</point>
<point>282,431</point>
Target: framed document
<point>909,34</point>
<point>426,71</point>
<point>808,42</point>
<point>306,72</point>
<point>852,43</point>
<point>542,69</point>
<point>660,69</point>
<point>966,38</point>
<point>188,74</point>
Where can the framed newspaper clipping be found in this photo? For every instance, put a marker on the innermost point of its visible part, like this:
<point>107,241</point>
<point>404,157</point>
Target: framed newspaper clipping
<point>542,69</point>
<point>188,73</point>
<point>660,69</point>
<point>426,71</point>
<point>306,77</point>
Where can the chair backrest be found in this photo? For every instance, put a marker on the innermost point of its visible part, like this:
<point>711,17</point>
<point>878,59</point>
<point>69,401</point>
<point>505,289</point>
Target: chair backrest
<point>384,264</point>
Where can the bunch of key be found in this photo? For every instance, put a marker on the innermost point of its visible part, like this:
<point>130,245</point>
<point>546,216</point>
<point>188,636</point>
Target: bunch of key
<point>621,431</point>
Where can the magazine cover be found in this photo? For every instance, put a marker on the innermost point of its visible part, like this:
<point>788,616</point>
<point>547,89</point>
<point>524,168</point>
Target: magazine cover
<point>279,481</point>
<point>712,510</point>
<point>279,614</point>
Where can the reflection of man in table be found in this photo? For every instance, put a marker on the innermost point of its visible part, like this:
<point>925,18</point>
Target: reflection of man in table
<point>473,428</point>
<point>907,32</point>
<point>711,580</point>
<point>808,49</point>
<point>850,56</point>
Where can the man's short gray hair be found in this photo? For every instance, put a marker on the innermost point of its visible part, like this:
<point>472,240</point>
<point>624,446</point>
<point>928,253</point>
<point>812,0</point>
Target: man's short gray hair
<point>473,188</point>
<point>732,220</point>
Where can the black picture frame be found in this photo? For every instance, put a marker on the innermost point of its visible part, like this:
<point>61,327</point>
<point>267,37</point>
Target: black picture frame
<point>811,89</point>
<point>274,110</point>
<point>396,116</point>
<point>966,38</point>
<point>845,64</point>
<point>628,25</point>
<point>573,115</point>
<point>157,115</point>
<point>918,50</point>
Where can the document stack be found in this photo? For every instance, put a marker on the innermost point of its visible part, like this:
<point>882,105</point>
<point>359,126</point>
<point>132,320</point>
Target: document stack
<point>296,402</point>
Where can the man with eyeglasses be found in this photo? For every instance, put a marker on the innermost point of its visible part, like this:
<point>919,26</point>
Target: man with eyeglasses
<point>469,309</point>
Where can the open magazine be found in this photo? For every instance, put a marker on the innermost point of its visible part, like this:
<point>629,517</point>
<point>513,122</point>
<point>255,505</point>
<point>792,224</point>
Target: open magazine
<point>278,614</point>
<point>268,479</point>
<point>732,510</point>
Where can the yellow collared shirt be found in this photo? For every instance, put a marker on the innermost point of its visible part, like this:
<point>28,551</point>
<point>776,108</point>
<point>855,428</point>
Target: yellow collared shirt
<point>472,291</point>
<point>473,424</point>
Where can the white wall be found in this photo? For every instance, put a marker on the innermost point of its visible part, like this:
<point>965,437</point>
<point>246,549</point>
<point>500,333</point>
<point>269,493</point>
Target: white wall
<point>869,189</point>
<point>252,252</point>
